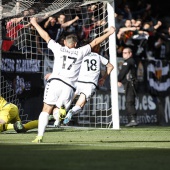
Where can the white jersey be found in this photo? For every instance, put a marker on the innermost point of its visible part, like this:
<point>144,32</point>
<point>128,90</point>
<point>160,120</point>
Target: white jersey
<point>67,61</point>
<point>90,68</point>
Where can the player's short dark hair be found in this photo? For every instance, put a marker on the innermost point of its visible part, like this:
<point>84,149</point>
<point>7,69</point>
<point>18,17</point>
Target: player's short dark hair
<point>72,38</point>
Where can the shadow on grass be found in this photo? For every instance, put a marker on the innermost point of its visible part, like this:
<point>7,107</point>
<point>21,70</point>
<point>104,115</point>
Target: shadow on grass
<point>34,131</point>
<point>132,141</point>
<point>44,157</point>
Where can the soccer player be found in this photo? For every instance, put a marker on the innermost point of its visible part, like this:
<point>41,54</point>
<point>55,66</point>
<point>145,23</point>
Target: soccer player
<point>88,81</point>
<point>60,88</point>
<point>9,118</point>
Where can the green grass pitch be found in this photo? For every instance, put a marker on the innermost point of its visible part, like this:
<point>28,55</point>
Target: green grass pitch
<point>141,148</point>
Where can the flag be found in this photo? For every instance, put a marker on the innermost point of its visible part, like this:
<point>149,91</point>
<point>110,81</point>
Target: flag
<point>158,76</point>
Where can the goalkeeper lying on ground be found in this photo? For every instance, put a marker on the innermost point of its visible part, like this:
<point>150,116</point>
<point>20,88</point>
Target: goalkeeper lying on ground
<point>10,120</point>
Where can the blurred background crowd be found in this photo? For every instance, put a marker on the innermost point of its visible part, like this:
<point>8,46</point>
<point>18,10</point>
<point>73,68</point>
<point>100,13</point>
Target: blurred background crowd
<point>143,25</point>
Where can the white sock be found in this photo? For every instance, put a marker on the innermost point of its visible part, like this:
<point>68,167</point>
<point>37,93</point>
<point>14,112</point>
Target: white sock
<point>56,116</point>
<point>76,109</point>
<point>42,123</point>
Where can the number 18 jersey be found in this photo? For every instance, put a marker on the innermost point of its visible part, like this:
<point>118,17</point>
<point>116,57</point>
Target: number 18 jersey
<point>90,68</point>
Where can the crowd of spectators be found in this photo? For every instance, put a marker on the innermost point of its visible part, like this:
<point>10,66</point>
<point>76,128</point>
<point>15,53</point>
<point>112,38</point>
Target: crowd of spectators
<point>143,29</point>
<point>19,35</point>
<point>138,25</point>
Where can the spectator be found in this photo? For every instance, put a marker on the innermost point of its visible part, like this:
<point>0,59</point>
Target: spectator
<point>125,36</point>
<point>13,27</point>
<point>119,21</point>
<point>54,26</point>
<point>162,45</point>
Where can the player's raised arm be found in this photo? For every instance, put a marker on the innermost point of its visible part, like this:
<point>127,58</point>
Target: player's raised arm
<point>100,39</point>
<point>42,32</point>
<point>109,68</point>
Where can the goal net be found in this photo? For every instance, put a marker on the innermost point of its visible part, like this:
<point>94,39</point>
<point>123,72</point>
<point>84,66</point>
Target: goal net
<point>8,93</point>
<point>87,19</point>
<point>95,114</point>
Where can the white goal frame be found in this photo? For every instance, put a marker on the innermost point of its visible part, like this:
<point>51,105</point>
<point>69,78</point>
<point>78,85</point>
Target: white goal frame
<point>113,60</point>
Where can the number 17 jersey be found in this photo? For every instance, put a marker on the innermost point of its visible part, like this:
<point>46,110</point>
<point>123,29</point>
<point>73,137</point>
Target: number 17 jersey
<point>90,68</point>
<point>67,61</point>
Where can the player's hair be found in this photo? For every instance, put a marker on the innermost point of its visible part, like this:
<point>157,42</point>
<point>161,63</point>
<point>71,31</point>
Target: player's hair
<point>71,39</point>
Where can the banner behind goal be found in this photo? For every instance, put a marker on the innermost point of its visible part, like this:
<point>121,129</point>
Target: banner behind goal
<point>87,19</point>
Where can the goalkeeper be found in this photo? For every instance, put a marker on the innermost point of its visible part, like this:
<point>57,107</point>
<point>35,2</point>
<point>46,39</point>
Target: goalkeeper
<point>9,118</point>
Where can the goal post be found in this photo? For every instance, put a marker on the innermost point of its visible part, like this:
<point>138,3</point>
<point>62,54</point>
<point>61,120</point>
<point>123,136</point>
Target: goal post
<point>113,60</point>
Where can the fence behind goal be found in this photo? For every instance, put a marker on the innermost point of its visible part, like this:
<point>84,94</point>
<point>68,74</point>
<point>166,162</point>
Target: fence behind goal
<point>93,19</point>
